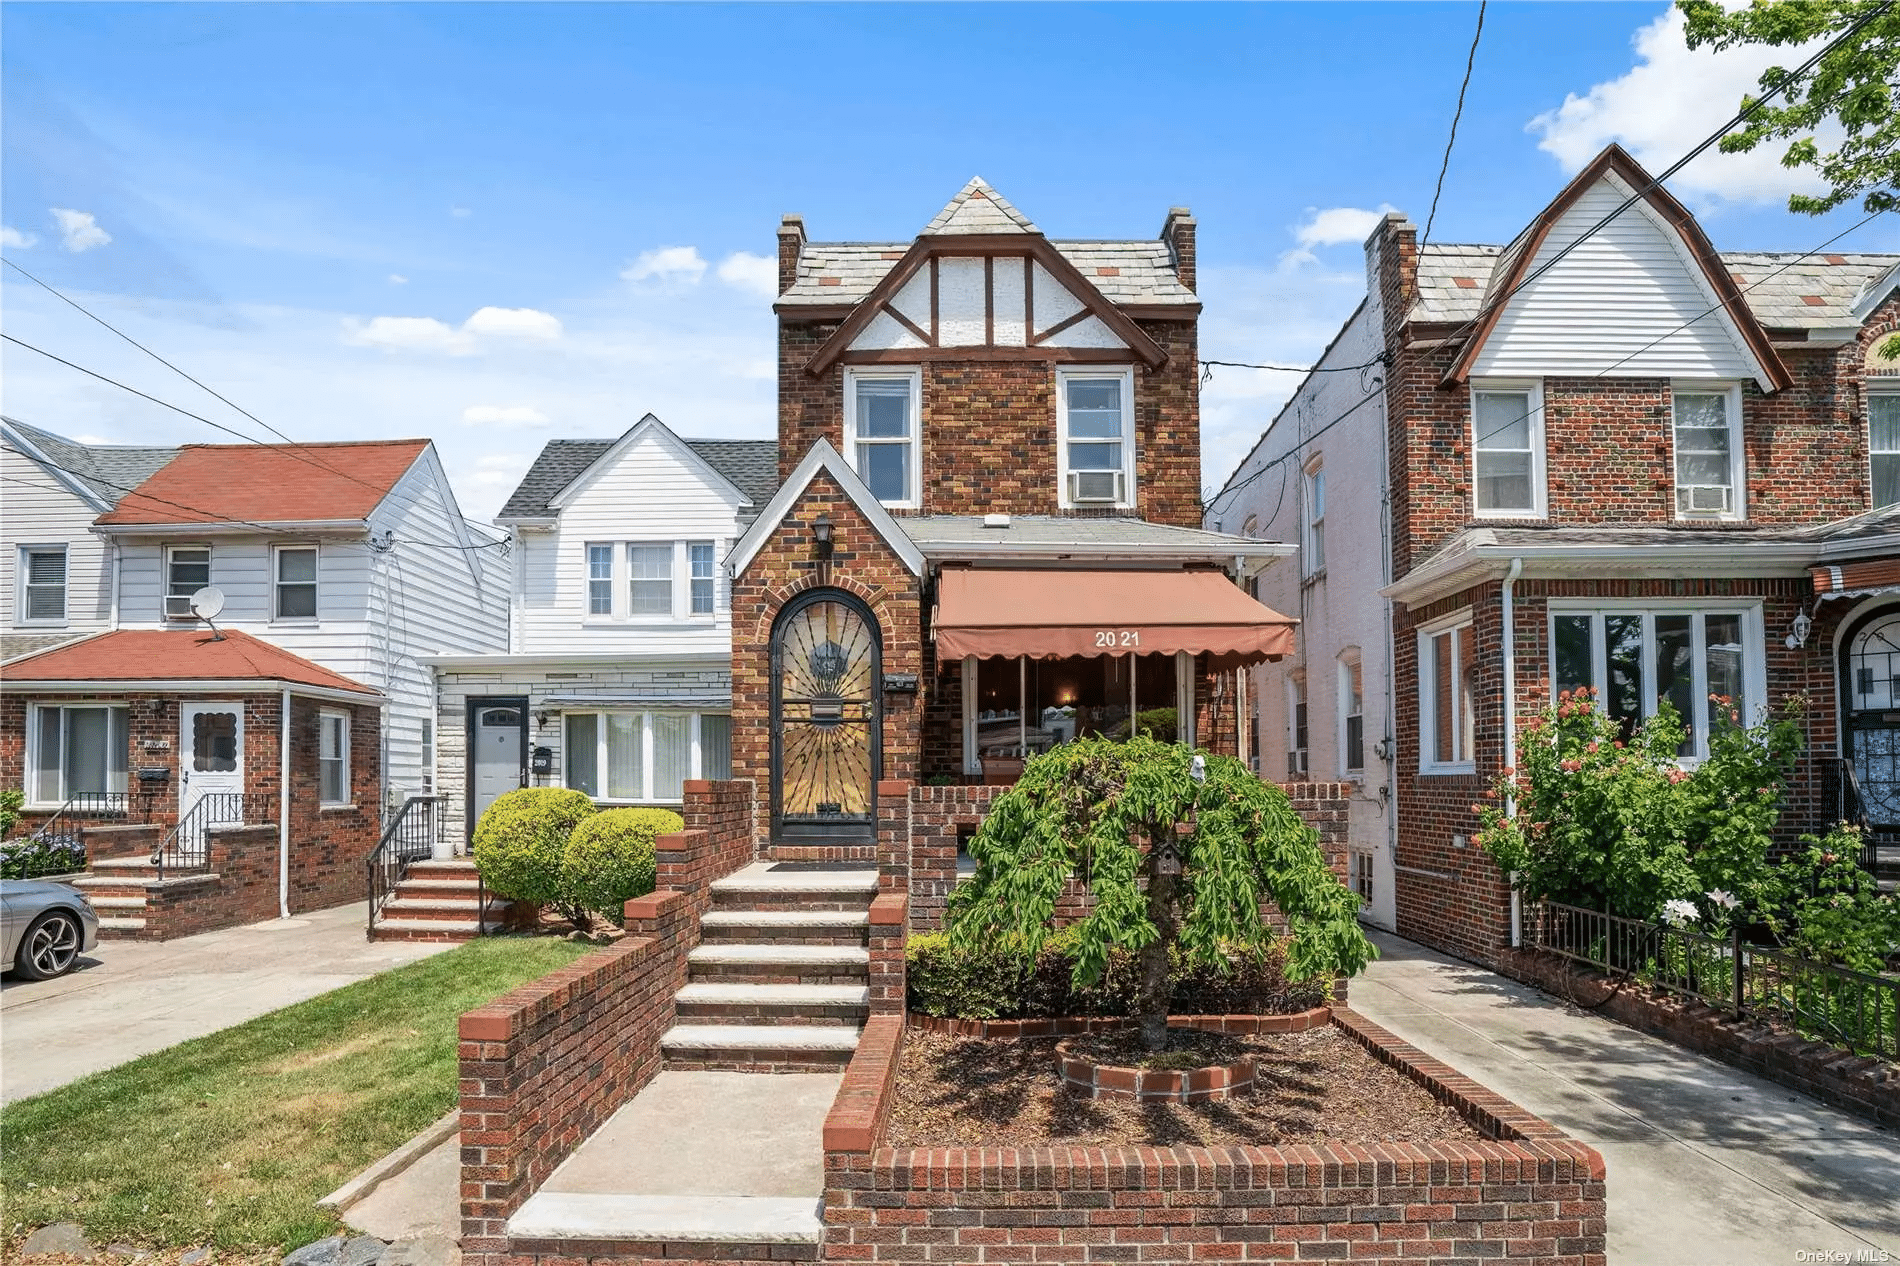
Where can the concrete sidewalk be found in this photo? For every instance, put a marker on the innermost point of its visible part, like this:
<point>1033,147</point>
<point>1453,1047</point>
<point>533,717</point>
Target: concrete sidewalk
<point>129,998</point>
<point>1707,1164</point>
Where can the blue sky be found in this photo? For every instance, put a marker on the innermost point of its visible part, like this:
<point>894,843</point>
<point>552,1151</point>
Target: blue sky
<point>494,223</point>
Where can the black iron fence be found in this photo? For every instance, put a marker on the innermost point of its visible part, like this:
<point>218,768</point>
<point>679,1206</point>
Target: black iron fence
<point>1848,1008</point>
<point>187,849</point>
<point>408,837</point>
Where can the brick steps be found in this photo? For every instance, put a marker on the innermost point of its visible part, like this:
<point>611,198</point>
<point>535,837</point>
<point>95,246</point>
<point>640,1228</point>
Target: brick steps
<point>727,1003</point>
<point>763,1048</point>
<point>122,928</point>
<point>780,964</point>
<point>806,927</point>
<point>440,899</point>
<point>763,886</point>
<point>432,929</point>
<point>708,1228</point>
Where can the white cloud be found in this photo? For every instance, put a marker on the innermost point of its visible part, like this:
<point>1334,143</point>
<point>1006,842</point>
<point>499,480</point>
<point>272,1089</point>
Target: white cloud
<point>397,279</point>
<point>78,230</point>
<point>507,416</point>
<point>747,271</point>
<point>497,473</point>
<point>426,334</point>
<point>1670,100</point>
<point>10,236</point>
<point>667,264</point>
<point>1335,225</point>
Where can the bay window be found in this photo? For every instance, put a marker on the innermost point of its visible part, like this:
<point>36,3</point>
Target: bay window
<point>75,751</point>
<point>1447,678</point>
<point>644,756</point>
<point>1708,451</point>
<point>1699,661</point>
<point>881,433</point>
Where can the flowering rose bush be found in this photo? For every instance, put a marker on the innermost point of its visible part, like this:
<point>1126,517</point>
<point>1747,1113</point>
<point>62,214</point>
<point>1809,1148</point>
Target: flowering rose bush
<point>1616,824</point>
<point>1835,911</point>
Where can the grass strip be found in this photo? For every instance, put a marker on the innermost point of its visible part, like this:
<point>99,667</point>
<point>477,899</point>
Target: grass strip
<point>232,1138</point>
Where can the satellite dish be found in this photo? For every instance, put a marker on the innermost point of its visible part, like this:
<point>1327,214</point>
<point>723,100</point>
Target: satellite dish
<point>207,602</point>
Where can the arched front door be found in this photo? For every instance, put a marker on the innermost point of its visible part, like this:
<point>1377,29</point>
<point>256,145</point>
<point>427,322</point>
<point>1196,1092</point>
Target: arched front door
<point>826,754</point>
<point>1870,733</point>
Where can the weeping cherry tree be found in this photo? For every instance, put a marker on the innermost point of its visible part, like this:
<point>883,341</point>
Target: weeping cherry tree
<point>1178,850</point>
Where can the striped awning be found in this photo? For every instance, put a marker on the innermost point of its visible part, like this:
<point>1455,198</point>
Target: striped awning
<point>1843,579</point>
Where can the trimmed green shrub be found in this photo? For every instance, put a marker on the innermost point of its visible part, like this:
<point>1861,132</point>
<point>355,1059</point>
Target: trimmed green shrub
<point>520,841</point>
<point>609,858</point>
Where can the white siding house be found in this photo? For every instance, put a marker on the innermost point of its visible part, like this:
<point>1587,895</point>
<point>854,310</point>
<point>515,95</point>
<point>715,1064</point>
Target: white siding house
<point>617,677</point>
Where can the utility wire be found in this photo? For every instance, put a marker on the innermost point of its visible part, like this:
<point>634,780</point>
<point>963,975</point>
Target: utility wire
<point>1471,60</point>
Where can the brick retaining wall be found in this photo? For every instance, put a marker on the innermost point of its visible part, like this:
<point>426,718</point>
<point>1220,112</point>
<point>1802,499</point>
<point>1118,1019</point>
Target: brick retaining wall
<point>1529,1193</point>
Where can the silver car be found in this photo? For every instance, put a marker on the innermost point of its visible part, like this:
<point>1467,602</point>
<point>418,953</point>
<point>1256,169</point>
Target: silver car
<point>44,927</point>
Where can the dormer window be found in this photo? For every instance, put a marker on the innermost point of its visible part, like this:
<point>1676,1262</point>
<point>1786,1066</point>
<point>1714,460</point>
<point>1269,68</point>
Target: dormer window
<point>1096,423</point>
<point>1708,451</point>
<point>881,433</point>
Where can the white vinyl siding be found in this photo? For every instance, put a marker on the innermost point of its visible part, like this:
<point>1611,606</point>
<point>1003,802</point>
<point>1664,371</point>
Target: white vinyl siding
<point>1707,435</point>
<point>1883,441</point>
<point>1629,302</point>
<point>187,570</point>
<point>1447,697</point>
<point>1095,422</point>
<point>75,751</point>
<point>333,758</point>
<point>42,598</point>
<point>1507,450</point>
<point>640,757</point>
<point>41,510</point>
<point>882,411</point>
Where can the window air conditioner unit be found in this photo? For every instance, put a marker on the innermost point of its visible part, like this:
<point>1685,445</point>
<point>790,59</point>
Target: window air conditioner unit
<point>178,607</point>
<point>1095,487</point>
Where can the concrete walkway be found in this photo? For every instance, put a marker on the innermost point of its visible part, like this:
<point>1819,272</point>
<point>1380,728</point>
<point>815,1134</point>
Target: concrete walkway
<point>1706,1163</point>
<point>129,998</point>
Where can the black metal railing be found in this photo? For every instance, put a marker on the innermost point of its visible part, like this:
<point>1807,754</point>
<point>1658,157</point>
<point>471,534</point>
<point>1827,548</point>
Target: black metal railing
<point>186,850</point>
<point>57,846</point>
<point>408,837</point>
<point>1852,1009</point>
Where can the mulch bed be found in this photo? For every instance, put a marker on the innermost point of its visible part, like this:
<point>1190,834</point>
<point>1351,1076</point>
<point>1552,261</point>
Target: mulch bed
<point>1314,1087</point>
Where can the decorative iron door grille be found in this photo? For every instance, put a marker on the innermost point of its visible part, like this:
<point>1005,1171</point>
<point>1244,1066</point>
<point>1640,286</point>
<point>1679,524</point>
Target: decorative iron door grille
<point>825,740</point>
<point>1872,732</point>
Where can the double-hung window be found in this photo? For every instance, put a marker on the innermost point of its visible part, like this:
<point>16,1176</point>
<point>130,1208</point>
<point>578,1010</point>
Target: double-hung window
<point>600,580</point>
<point>644,756</point>
<point>1096,426</point>
<point>881,425</point>
<point>1297,735</point>
<point>1703,662</point>
<point>333,758</point>
<point>1883,439</point>
<point>1507,449</point>
<point>1314,529</point>
<point>76,751</point>
<point>1352,717</point>
<point>187,570</point>
<point>1708,451</point>
<point>1447,677</point>
<point>42,597</point>
<point>650,566</point>
<point>702,578</point>
<point>295,596</point>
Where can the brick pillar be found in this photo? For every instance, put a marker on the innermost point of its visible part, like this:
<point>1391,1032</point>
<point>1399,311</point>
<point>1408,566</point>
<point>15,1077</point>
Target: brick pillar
<point>889,912</point>
<point>1178,233</point>
<point>893,835</point>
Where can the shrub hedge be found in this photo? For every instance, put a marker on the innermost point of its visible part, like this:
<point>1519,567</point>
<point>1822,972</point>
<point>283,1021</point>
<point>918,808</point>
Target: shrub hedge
<point>520,842</point>
<point>998,982</point>
<point>609,858</point>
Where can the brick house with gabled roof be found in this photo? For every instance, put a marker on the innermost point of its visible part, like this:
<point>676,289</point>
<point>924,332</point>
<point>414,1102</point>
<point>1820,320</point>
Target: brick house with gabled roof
<point>1638,465</point>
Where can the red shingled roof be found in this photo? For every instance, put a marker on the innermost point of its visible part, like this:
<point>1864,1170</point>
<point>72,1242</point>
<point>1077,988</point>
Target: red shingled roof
<point>175,655</point>
<point>268,483</point>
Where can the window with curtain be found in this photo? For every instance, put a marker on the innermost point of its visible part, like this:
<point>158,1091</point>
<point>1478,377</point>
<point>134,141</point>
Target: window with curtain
<point>75,751</point>
<point>644,755</point>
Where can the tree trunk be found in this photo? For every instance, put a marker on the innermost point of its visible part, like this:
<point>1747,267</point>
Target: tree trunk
<point>1151,994</point>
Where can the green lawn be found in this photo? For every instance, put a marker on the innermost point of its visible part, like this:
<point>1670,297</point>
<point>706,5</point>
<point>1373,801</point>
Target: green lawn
<point>231,1139</point>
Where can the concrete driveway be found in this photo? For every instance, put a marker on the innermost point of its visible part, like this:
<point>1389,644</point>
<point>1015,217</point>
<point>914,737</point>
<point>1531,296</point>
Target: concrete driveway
<point>1706,1163</point>
<point>129,998</point>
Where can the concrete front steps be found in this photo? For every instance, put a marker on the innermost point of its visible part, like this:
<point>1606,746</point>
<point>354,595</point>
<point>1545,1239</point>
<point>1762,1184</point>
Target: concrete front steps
<point>116,886</point>
<point>779,1229</point>
<point>780,979</point>
<point>440,900</point>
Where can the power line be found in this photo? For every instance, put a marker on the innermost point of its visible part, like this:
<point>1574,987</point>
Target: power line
<point>1295,369</point>
<point>123,387</point>
<point>1471,59</point>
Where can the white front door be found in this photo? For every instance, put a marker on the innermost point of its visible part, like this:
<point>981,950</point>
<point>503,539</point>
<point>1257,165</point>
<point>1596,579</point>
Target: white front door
<point>210,763</point>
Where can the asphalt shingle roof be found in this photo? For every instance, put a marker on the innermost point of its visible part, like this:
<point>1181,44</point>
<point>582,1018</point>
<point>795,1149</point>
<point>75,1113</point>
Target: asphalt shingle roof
<point>111,470</point>
<point>752,466</point>
<point>269,483</point>
<point>1787,290</point>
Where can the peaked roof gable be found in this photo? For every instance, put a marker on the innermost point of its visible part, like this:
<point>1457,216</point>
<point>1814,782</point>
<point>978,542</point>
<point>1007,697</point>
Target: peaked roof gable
<point>822,457</point>
<point>977,208</point>
<point>1519,259</point>
<point>1876,292</point>
<point>98,474</point>
<point>268,483</point>
<point>650,425</point>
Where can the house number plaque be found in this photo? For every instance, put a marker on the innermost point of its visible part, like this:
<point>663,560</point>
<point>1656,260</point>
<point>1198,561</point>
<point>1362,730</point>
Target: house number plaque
<point>1105,638</point>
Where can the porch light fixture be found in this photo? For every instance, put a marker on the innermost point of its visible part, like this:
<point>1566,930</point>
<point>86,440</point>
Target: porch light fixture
<point>821,534</point>
<point>1798,631</point>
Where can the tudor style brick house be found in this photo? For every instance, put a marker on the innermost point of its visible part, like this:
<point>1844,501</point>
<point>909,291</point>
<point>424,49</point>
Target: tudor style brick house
<point>986,539</point>
<point>1630,464</point>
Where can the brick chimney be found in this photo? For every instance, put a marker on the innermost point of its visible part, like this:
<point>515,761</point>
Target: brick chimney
<point>791,244</point>
<point>1178,233</point>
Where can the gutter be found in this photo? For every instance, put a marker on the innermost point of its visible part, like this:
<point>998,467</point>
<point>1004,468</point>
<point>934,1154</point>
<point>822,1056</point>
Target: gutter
<point>1510,722</point>
<point>1736,559</point>
<point>283,809</point>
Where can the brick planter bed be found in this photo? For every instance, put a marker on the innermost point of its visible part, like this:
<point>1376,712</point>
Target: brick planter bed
<point>1091,1080</point>
<point>1526,1191</point>
<point>1073,1025</point>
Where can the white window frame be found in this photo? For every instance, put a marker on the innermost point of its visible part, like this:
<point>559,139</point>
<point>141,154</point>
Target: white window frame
<point>1428,763</point>
<point>1349,661</point>
<point>1299,763</point>
<point>1540,498</point>
<point>914,467</point>
<point>428,756</point>
<point>588,579</point>
<point>165,588</point>
<point>30,769</point>
<point>1313,526</point>
<point>672,613</point>
<point>1879,389</point>
<point>711,578</point>
<point>1124,375</point>
<point>695,745</point>
<point>1737,456</point>
<point>277,582</point>
<point>326,719</point>
<point>24,564</point>
<point>1754,703</point>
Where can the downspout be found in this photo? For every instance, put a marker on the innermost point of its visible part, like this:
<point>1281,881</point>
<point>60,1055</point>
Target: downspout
<point>1510,725</point>
<point>283,809</point>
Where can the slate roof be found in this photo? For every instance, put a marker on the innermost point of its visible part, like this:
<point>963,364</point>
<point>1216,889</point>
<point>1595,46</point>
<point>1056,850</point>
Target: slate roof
<point>939,534</point>
<point>1787,290</point>
<point>110,470</point>
<point>752,466</point>
<point>831,273</point>
<point>176,655</point>
<point>977,208</point>
<point>268,483</point>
